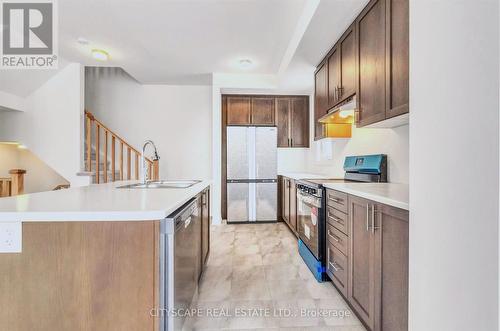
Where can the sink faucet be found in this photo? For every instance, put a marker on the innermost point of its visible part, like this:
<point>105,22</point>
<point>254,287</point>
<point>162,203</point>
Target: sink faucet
<point>144,169</point>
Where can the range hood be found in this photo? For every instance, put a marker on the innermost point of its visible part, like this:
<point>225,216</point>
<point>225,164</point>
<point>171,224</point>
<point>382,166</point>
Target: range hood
<point>341,114</point>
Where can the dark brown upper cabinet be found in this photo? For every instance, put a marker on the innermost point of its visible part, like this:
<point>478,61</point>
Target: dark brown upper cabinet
<point>342,69</point>
<point>238,110</point>
<point>292,120</point>
<point>371,61</point>
<point>383,61</point>
<point>290,114</point>
<point>320,98</point>
<point>262,110</point>
<point>371,97</point>
<point>283,122</point>
<point>398,66</point>
<point>250,110</point>
<point>334,82</point>
<point>299,122</point>
<point>347,46</point>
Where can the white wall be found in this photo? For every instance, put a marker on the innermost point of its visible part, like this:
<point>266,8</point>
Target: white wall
<point>393,142</point>
<point>51,124</point>
<point>454,165</point>
<point>177,118</point>
<point>39,177</point>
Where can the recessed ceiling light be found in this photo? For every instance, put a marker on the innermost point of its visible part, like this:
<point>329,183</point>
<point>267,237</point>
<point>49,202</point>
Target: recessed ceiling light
<point>82,41</point>
<point>100,55</point>
<point>21,146</point>
<point>246,63</point>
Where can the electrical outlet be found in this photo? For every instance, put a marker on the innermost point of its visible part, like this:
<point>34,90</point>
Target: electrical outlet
<point>11,237</point>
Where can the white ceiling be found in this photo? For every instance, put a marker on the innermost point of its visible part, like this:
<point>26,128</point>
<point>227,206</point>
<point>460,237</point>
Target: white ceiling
<point>179,41</point>
<point>184,41</point>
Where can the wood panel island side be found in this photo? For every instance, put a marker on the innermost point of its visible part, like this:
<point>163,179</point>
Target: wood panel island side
<point>78,272</point>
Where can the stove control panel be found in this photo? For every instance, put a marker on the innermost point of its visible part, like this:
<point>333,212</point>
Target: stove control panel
<point>309,190</point>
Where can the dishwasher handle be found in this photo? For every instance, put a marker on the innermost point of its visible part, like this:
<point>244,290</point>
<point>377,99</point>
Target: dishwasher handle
<point>182,217</point>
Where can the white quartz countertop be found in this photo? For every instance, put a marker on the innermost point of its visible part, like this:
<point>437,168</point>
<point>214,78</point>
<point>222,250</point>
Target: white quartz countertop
<point>303,175</point>
<point>392,194</point>
<point>100,202</point>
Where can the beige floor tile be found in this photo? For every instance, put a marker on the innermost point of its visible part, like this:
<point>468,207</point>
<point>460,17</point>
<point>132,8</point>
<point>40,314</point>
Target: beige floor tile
<point>215,292</point>
<point>245,227</point>
<point>253,314</point>
<point>222,249</point>
<point>248,273</point>
<point>282,271</point>
<point>288,289</point>
<point>222,238</point>
<point>324,290</point>
<point>220,260</point>
<point>298,313</point>
<point>213,274</point>
<point>247,260</point>
<point>210,316</point>
<point>276,258</point>
<point>246,249</point>
<point>256,289</point>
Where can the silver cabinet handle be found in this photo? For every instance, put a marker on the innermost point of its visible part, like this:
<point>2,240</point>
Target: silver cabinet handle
<point>337,200</point>
<point>335,266</point>
<point>373,220</point>
<point>334,237</point>
<point>338,220</point>
<point>367,217</point>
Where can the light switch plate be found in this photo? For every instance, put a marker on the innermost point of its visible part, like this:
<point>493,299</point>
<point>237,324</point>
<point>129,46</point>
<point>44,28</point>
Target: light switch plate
<point>11,237</point>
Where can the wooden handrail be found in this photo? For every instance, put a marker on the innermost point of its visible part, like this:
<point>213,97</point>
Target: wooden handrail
<point>14,185</point>
<point>5,184</point>
<point>91,122</point>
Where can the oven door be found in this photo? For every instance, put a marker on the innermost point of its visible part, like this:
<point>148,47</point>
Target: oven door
<point>308,218</point>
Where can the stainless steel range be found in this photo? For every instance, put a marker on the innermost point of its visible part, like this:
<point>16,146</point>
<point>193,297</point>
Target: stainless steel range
<point>311,206</point>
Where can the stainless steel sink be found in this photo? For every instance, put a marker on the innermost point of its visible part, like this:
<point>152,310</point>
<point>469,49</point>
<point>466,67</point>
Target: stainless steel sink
<point>163,184</point>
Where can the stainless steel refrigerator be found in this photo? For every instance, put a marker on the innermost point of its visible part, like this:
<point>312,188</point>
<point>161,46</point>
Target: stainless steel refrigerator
<point>251,174</point>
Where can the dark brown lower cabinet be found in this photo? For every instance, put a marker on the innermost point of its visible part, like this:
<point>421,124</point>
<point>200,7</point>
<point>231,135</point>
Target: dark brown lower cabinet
<point>392,263</point>
<point>205,226</point>
<point>378,264</point>
<point>288,199</point>
<point>362,262</point>
<point>293,205</point>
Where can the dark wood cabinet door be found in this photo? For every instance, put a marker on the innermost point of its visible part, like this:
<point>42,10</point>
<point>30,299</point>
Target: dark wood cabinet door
<point>286,200</point>
<point>263,110</point>
<point>238,110</point>
<point>371,60</point>
<point>299,122</point>
<point>293,205</point>
<point>334,83</point>
<point>320,99</point>
<point>398,66</point>
<point>347,47</point>
<point>392,264</point>
<point>205,226</point>
<point>283,121</point>
<point>362,267</point>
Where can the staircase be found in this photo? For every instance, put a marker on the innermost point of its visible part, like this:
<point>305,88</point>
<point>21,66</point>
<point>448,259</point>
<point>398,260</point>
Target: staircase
<point>14,185</point>
<point>110,158</point>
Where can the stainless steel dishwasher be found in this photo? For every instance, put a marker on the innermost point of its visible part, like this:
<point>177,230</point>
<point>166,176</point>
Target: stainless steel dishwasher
<point>180,256</point>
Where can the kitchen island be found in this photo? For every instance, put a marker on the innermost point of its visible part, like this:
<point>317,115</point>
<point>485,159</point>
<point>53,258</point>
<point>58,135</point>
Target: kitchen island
<point>101,258</point>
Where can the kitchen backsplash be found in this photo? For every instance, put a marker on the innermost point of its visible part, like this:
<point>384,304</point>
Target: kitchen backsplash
<point>327,157</point>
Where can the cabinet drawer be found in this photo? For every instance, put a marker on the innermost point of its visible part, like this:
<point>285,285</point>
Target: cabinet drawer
<point>338,219</point>
<point>337,268</point>
<point>337,238</point>
<point>337,200</point>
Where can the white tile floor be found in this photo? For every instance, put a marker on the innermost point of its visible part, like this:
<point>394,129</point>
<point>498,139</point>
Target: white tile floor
<point>256,280</point>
